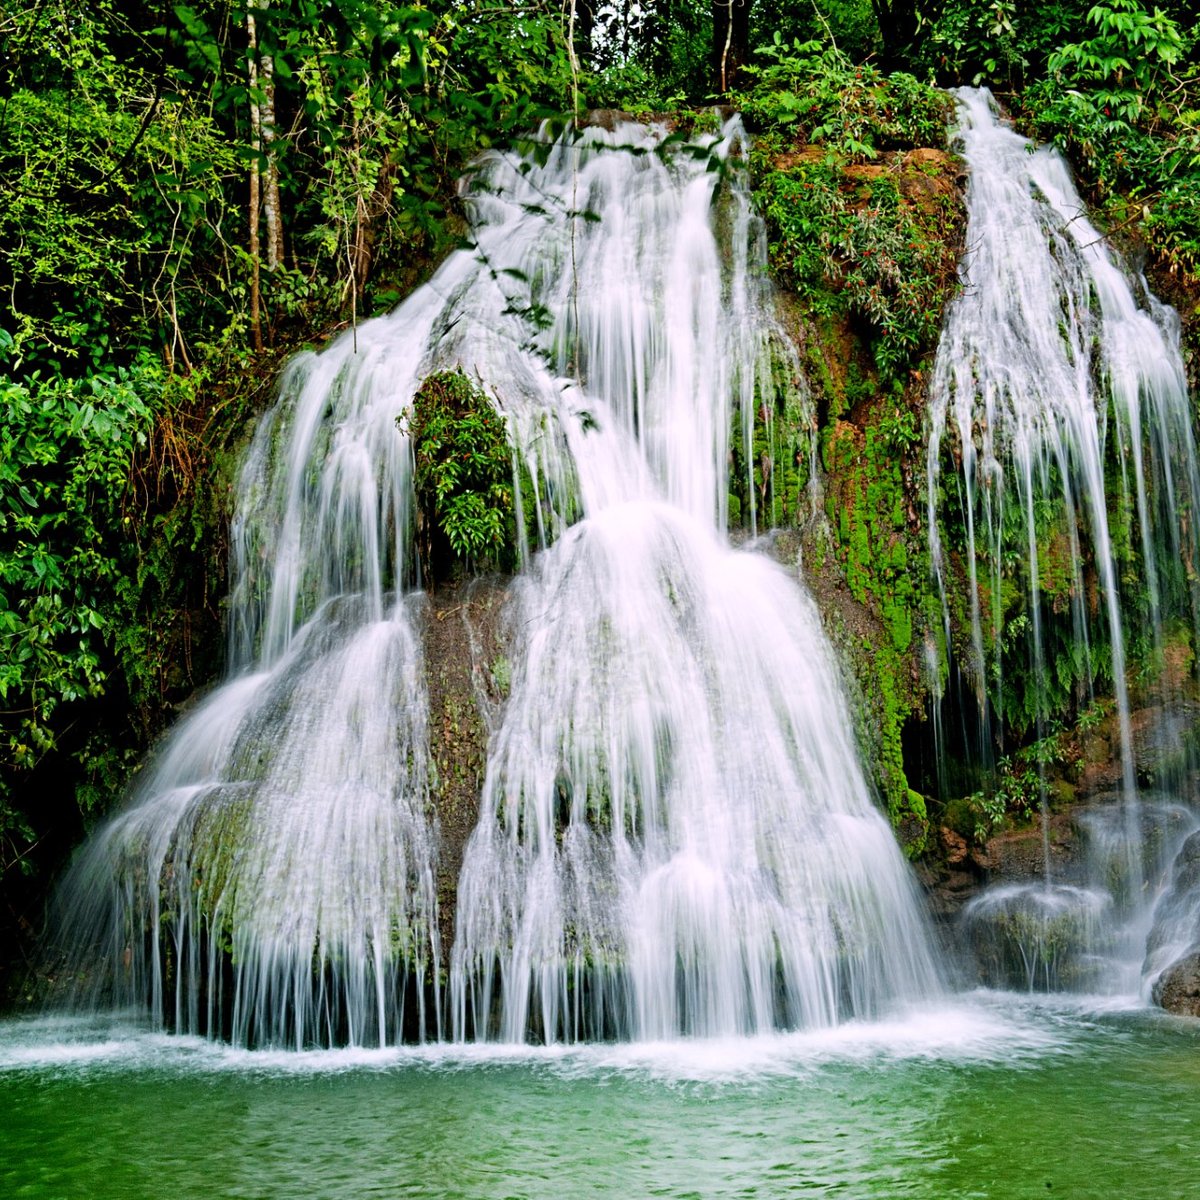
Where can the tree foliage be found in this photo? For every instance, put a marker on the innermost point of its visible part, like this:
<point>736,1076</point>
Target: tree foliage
<point>95,589</point>
<point>129,269</point>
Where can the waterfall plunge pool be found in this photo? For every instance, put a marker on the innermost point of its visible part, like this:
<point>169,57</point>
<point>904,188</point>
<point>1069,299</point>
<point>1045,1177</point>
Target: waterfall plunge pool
<point>993,1095</point>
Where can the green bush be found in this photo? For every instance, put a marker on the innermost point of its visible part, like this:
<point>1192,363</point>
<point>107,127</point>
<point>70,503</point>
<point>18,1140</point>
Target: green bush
<point>111,545</point>
<point>67,562</point>
<point>1125,104</point>
<point>810,92</point>
<point>843,246</point>
<point>464,471</point>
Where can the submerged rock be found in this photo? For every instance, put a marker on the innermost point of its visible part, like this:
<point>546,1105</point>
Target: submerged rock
<point>1039,937</point>
<point>1173,945</point>
<point>1178,987</point>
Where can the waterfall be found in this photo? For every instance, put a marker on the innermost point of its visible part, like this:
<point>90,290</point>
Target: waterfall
<point>675,833</point>
<point>272,878</point>
<point>1060,401</point>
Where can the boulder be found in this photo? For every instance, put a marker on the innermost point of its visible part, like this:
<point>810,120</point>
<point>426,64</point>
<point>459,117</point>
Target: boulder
<point>1178,987</point>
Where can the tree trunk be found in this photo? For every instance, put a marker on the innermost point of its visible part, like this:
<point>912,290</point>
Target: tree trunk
<point>731,42</point>
<point>255,183</point>
<point>264,171</point>
<point>585,25</point>
<point>271,206</point>
<point>572,34</point>
<point>370,214</point>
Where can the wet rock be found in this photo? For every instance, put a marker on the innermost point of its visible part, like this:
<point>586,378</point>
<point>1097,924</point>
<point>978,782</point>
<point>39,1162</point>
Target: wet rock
<point>946,890</point>
<point>929,179</point>
<point>1178,987</point>
<point>1037,936</point>
<point>608,118</point>
<point>981,860</point>
<point>1098,777</point>
<point>1163,738</point>
<point>466,673</point>
<point>955,846</point>
<point>1060,793</point>
<point>1019,855</point>
<point>1186,873</point>
<point>1176,924</point>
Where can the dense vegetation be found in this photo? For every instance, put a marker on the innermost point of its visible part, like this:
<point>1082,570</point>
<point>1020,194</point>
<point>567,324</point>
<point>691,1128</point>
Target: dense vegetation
<point>463,477</point>
<point>188,192</point>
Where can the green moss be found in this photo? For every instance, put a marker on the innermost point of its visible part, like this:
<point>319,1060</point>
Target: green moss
<point>769,478</point>
<point>868,500</point>
<point>870,253</point>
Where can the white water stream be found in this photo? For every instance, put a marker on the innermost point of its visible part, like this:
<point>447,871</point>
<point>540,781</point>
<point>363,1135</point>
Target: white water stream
<point>1060,390</point>
<point>676,835</point>
<point>1060,379</point>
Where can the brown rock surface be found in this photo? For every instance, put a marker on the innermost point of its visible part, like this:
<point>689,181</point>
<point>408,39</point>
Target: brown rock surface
<point>1178,987</point>
<point>465,665</point>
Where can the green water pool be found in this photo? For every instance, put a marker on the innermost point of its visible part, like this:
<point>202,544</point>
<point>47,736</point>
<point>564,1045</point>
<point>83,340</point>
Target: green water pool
<point>991,1096</point>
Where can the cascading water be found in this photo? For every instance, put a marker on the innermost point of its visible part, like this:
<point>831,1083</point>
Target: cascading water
<point>272,879</point>
<point>1087,930</point>
<point>1059,388</point>
<point>675,834</point>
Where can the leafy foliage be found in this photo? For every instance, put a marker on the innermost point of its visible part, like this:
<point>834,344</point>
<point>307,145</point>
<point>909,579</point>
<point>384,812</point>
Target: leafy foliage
<point>1125,102</point>
<point>851,25</point>
<point>843,242</point>
<point>110,192</point>
<point>845,237</point>
<point>464,471</point>
<point>652,56</point>
<point>126,149</point>
<point>813,93</point>
<point>96,593</point>
<point>999,42</point>
<point>66,453</point>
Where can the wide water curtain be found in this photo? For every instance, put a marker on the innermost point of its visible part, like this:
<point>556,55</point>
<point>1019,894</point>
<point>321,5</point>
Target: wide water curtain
<point>675,836</point>
<point>272,880</point>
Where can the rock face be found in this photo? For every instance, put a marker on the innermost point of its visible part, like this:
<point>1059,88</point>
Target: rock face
<point>467,675</point>
<point>1019,855</point>
<point>1185,877</point>
<point>1178,987</point>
